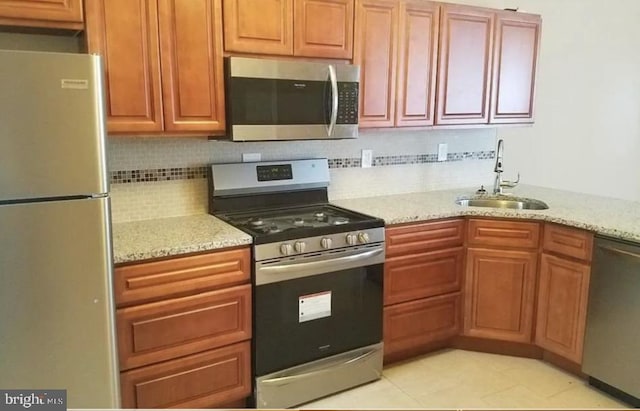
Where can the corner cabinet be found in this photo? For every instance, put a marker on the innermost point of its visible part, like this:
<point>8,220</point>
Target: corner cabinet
<point>184,331</point>
<point>500,281</point>
<point>304,28</point>
<point>163,63</point>
<point>60,14</point>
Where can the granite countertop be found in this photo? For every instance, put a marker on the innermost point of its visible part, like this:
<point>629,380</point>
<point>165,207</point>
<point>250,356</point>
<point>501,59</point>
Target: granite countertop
<point>143,240</point>
<point>608,216</point>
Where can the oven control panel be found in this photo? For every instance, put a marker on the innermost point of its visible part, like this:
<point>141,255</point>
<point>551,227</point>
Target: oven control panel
<point>318,244</point>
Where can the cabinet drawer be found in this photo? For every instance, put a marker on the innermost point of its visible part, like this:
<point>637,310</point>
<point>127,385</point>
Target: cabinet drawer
<point>205,380</point>
<point>167,329</point>
<point>179,276</point>
<point>63,14</point>
<point>420,237</point>
<point>418,323</point>
<point>568,241</point>
<point>422,275</point>
<point>496,233</point>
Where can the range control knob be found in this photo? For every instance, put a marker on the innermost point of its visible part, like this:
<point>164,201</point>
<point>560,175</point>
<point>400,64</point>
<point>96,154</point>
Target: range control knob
<point>286,249</point>
<point>300,246</point>
<point>352,239</point>
<point>363,238</point>
<point>326,243</point>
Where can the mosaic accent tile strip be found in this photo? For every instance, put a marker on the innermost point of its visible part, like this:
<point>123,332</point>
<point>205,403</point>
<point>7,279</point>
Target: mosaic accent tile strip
<point>192,173</point>
<point>158,174</point>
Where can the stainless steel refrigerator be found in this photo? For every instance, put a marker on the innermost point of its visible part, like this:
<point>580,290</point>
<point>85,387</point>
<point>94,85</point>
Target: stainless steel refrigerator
<point>56,302</point>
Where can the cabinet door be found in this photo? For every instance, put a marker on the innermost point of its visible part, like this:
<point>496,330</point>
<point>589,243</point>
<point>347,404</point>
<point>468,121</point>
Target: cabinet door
<point>466,46</point>
<point>125,33</point>
<point>261,27</point>
<point>418,54</point>
<point>65,14</point>
<point>191,61</point>
<point>562,306</point>
<point>206,380</point>
<point>422,275</point>
<point>514,67</point>
<point>376,37</point>
<point>323,28</point>
<point>409,326</point>
<point>168,329</point>
<point>499,294</point>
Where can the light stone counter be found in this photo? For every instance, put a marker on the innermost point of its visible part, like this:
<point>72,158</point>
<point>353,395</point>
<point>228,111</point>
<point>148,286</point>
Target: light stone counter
<point>608,216</point>
<point>143,240</point>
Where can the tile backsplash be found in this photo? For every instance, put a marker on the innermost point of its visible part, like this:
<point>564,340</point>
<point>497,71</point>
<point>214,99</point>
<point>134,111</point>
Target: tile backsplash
<point>156,177</point>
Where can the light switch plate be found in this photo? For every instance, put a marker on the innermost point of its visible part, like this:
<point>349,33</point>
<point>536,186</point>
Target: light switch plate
<point>442,152</point>
<point>367,158</point>
<point>251,157</point>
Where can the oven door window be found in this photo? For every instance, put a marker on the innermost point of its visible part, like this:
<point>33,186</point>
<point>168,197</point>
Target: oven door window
<point>286,336</point>
<point>256,101</point>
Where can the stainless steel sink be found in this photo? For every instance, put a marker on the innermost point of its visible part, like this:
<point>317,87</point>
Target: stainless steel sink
<point>503,202</point>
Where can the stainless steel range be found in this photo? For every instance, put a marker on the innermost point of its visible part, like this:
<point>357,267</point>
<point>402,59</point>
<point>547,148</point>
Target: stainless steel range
<point>317,274</point>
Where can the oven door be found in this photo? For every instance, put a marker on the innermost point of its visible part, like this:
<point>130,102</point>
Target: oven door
<point>313,307</point>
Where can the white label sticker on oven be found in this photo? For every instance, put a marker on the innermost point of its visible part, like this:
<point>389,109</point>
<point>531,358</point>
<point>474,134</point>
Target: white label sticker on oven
<point>314,306</point>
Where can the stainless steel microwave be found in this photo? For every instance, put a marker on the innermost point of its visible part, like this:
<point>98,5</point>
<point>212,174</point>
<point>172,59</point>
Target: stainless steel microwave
<point>290,100</point>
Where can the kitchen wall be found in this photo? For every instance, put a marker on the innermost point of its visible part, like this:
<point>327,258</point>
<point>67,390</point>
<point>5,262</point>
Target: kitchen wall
<point>160,177</point>
<point>587,132</point>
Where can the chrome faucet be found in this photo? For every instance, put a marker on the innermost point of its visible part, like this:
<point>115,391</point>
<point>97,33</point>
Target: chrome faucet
<point>499,183</point>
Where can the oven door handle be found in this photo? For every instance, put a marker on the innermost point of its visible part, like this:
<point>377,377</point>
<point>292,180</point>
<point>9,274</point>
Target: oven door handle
<point>326,368</point>
<point>294,269</point>
<point>334,99</point>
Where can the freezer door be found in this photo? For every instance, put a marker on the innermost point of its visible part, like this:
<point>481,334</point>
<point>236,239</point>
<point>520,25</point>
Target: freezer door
<point>56,303</point>
<point>52,133</point>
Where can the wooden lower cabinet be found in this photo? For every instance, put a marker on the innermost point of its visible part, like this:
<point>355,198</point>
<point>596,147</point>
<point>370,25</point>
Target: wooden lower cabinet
<point>422,275</point>
<point>204,380</point>
<point>411,325</point>
<point>562,306</point>
<point>499,294</point>
<point>163,330</point>
<point>184,331</point>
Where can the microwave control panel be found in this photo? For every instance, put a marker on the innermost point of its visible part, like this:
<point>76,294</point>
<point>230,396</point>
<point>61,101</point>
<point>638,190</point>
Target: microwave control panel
<point>347,103</point>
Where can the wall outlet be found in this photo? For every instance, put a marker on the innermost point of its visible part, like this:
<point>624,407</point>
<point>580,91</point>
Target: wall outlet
<point>251,157</point>
<point>367,158</point>
<point>442,152</point>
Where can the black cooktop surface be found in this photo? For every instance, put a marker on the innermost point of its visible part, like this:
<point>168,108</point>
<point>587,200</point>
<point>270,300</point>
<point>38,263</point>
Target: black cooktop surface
<point>271,225</point>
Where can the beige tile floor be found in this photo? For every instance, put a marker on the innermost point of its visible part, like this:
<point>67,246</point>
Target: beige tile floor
<point>467,379</point>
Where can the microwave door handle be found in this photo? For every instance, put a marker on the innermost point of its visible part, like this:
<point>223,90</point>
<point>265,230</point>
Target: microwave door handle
<point>334,99</point>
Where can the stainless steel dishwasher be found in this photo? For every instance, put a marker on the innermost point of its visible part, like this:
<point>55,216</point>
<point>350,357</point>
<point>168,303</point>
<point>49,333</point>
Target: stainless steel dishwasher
<point>612,340</point>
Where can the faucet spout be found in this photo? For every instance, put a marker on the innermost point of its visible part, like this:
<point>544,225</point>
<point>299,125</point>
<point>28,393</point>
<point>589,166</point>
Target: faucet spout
<point>499,154</point>
<point>499,183</point>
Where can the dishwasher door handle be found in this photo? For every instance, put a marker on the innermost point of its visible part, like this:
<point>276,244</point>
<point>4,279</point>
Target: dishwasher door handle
<point>618,251</point>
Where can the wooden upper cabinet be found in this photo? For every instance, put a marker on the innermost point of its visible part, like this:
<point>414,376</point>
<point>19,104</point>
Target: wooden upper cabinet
<point>191,62</point>
<point>125,33</point>
<point>517,39</point>
<point>323,28</point>
<point>466,47</point>
<point>417,63</point>
<point>163,63</point>
<point>64,14</point>
<point>263,27</point>
<point>376,34</point>
<point>562,306</point>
